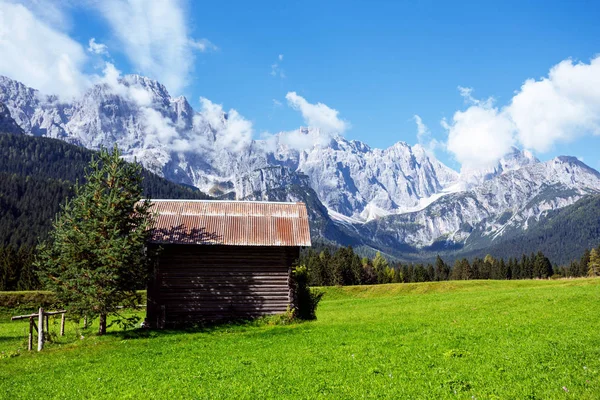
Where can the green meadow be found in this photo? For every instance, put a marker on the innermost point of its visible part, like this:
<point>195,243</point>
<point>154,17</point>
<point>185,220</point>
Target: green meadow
<point>458,340</point>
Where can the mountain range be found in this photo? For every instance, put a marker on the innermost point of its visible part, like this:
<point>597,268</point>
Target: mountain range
<point>400,200</point>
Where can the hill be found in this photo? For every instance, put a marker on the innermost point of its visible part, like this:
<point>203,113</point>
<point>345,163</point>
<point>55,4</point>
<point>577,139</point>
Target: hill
<point>36,176</point>
<point>562,235</point>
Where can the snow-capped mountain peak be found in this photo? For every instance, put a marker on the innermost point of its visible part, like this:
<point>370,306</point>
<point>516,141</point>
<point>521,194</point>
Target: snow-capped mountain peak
<point>401,193</point>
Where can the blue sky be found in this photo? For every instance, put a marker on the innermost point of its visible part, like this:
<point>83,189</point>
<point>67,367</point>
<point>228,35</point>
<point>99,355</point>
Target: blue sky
<point>378,63</point>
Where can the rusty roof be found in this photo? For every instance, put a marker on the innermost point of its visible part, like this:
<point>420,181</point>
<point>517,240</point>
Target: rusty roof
<point>232,223</point>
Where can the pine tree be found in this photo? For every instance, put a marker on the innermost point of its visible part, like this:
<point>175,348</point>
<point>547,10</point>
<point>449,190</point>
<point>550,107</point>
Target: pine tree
<point>542,266</point>
<point>95,258</point>
<point>380,264</point>
<point>594,263</point>
<point>584,263</point>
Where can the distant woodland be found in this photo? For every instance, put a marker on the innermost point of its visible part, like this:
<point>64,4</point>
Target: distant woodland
<point>36,176</point>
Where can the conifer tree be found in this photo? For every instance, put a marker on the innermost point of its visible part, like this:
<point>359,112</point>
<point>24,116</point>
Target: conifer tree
<point>594,263</point>
<point>95,258</point>
<point>380,265</point>
<point>584,263</point>
<point>441,270</point>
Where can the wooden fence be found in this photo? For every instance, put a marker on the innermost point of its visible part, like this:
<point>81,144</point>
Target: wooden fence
<point>43,334</point>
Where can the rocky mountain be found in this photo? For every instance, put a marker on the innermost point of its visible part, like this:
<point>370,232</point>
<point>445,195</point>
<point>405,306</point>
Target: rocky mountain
<point>400,199</point>
<point>495,210</point>
<point>7,123</point>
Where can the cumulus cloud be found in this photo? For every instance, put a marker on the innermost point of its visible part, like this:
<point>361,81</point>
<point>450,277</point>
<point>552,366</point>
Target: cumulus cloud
<point>38,55</point>
<point>232,131</point>
<point>479,136</point>
<point>97,48</point>
<point>154,35</point>
<point>558,108</point>
<point>317,115</point>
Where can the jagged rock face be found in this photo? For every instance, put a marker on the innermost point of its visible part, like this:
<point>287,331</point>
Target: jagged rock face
<point>349,177</point>
<point>7,123</point>
<point>357,181</point>
<point>514,160</point>
<point>492,209</point>
<point>400,195</point>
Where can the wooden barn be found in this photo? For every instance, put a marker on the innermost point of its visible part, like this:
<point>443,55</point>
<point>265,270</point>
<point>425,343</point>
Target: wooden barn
<point>223,260</point>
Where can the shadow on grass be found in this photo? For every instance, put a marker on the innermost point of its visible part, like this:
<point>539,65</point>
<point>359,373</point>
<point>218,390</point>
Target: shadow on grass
<point>208,328</point>
<point>12,338</point>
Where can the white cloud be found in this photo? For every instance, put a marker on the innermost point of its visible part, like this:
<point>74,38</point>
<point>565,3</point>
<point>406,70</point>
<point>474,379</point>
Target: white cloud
<point>276,69</point>
<point>479,136</point>
<point>318,115</point>
<point>423,133</point>
<point>97,48</point>
<point>38,55</point>
<point>277,103</point>
<point>303,138</point>
<point>555,109</point>
<point>203,45</point>
<point>233,131</point>
<point>424,136</point>
<point>155,38</point>
<point>558,108</point>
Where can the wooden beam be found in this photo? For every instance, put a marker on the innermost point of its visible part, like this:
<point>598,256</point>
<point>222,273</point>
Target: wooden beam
<point>16,317</point>
<point>41,329</point>
<point>62,324</point>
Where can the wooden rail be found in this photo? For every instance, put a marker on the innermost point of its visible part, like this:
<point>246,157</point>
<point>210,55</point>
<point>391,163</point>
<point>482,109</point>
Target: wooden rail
<point>40,325</point>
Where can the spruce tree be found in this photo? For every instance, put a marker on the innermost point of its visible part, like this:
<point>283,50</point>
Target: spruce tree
<point>584,263</point>
<point>95,258</point>
<point>594,263</point>
<point>380,265</point>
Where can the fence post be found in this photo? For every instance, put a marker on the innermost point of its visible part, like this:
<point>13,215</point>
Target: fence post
<point>41,329</point>
<point>30,339</point>
<point>47,338</point>
<point>62,325</point>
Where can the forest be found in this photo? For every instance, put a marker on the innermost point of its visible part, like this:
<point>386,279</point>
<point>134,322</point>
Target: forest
<point>36,176</point>
<point>344,267</point>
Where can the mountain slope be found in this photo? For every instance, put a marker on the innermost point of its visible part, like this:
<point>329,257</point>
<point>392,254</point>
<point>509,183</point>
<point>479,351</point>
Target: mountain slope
<point>7,123</point>
<point>562,235</point>
<point>37,175</point>
<point>400,200</point>
<point>212,149</point>
<point>500,207</point>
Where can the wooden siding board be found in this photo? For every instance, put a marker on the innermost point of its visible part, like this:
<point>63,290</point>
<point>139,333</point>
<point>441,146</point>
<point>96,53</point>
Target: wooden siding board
<point>197,284</point>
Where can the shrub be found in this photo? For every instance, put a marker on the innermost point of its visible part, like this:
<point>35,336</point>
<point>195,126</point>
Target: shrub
<point>21,301</point>
<point>306,299</point>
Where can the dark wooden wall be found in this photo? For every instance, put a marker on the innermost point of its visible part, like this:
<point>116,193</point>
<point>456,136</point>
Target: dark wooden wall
<point>193,283</point>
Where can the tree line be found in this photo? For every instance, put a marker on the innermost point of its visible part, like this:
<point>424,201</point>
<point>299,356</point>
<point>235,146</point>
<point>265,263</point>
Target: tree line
<point>343,267</point>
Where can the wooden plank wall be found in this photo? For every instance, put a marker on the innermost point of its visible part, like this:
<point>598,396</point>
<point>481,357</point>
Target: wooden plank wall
<point>216,283</point>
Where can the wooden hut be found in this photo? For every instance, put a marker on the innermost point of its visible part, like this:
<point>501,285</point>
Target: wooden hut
<point>223,260</point>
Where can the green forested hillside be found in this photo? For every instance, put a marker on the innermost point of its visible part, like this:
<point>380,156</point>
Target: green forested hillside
<point>562,235</point>
<point>36,176</point>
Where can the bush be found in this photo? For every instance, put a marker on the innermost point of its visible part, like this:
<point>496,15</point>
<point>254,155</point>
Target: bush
<point>18,301</point>
<point>306,299</point>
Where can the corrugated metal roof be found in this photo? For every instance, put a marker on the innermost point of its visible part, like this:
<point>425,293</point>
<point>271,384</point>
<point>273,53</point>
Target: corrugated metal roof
<point>233,223</point>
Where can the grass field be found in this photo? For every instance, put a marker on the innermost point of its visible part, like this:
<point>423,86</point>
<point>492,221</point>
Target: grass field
<point>468,339</point>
